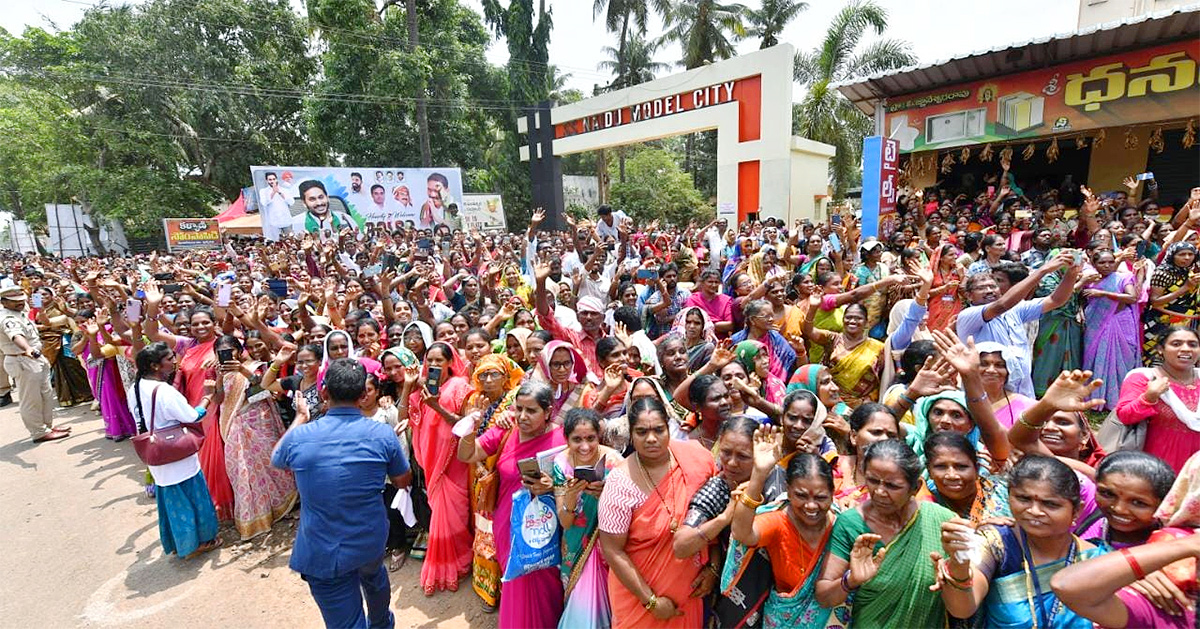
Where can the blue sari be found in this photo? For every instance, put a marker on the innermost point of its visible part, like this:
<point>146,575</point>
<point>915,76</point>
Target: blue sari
<point>1009,603</point>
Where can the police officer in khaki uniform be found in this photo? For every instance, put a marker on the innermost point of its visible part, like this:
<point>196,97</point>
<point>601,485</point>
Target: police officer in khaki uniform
<point>27,367</point>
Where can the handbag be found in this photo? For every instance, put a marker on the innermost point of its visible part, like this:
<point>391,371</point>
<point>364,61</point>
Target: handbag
<point>159,447</point>
<point>1114,436</point>
<point>487,486</point>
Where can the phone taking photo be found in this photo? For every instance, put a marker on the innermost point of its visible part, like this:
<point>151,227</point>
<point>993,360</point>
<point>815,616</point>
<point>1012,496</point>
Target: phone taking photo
<point>433,382</point>
<point>133,310</point>
<point>225,355</point>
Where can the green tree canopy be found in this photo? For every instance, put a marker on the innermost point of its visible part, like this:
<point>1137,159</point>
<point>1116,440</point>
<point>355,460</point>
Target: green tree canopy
<point>655,187</point>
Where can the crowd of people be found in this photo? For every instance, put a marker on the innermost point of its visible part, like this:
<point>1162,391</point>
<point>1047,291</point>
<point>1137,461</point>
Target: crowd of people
<point>988,418</point>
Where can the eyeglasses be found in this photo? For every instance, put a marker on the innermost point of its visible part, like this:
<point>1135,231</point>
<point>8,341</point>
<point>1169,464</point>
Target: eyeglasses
<point>561,365</point>
<point>490,375</point>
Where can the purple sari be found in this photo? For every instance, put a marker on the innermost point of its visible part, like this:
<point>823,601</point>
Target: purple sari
<point>1111,338</point>
<point>108,388</point>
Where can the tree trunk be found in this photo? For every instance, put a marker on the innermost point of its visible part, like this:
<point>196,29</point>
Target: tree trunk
<point>93,231</point>
<point>622,63</point>
<point>410,10</point>
<point>621,164</point>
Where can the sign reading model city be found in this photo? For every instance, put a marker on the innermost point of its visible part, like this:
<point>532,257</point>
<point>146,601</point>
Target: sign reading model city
<point>700,98</point>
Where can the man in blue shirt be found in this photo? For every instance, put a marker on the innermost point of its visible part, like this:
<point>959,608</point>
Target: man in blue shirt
<point>340,461</point>
<point>1002,318</point>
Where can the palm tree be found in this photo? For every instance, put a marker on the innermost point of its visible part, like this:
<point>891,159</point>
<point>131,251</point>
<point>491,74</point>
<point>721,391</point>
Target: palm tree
<point>769,21</point>
<point>636,65</point>
<point>824,114</point>
<point>706,30</point>
<point>619,14</point>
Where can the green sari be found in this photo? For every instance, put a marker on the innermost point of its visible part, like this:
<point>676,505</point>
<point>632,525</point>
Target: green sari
<point>1059,343</point>
<point>898,595</point>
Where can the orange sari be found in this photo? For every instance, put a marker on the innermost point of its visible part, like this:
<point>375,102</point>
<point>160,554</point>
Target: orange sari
<point>649,545</point>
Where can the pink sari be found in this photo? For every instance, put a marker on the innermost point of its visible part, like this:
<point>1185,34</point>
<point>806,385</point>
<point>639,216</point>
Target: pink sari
<point>536,599</point>
<point>449,554</point>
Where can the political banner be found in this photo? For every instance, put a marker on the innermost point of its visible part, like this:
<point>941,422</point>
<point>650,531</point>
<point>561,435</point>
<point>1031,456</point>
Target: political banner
<point>185,234</point>
<point>881,162</point>
<point>1147,85</point>
<point>483,212</point>
<point>422,198</point>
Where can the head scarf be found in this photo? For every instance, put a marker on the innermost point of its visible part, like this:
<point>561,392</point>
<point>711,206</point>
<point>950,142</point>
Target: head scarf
<point>1010,359</point>
<point>1181,507</point>
<point>579,372</point>
<point>522,335</point>
<point>1168,275</point>
<point>325,347</point>
<point>424,329</point>
<point>458,367</point>
<point>745,353</point>
<point>589,304</point>
<point>807,377</point>
<point>513,374</point>
<point>917,434</point>
<point>679,325</point>
<point>403,354</point>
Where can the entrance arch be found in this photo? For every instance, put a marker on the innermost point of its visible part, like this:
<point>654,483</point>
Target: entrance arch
<point>746,99</point>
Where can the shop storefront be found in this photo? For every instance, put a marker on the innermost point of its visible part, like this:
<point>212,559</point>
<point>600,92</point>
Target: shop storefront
<point>1091,107</point>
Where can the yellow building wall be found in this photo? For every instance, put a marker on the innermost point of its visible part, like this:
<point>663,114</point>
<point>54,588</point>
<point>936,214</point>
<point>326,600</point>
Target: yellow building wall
<point>1111,162</point>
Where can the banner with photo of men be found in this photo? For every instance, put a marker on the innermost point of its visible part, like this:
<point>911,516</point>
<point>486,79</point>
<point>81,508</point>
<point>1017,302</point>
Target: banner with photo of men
<point>422,198</point>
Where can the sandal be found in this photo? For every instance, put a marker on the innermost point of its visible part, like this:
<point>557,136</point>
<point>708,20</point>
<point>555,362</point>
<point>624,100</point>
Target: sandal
<point>206,547</point>
<point>397,560</point>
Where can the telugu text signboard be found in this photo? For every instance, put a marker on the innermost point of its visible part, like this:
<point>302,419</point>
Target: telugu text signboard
<point>1148,85</point>
<point>881,161</point>
<point>185,234</point>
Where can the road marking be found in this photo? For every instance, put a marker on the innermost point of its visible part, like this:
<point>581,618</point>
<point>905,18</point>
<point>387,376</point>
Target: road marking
<point>101,607</point>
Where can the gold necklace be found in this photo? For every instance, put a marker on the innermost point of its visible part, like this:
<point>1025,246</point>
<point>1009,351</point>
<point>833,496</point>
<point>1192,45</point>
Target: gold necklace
<point>671,514</point>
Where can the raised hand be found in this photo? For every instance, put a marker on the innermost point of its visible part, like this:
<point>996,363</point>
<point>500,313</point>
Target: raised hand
<point>963,357</point>
<point>722,355</point>
<point>541,271</point>
<point>1071,389</point>
<point>936,376</point>
<point>768,446</point>
<point>539,215</point>
<point>614,376</point>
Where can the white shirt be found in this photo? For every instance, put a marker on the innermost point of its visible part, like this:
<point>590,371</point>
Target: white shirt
<point>605,230</point>
<point>171,409</point>
<point>276,206</point>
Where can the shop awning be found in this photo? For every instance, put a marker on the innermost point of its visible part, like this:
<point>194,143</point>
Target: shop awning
<point>1155,28</point>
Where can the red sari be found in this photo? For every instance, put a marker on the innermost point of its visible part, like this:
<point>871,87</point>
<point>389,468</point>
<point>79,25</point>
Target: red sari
<point>449,554</point>
<point>649,542</point>
<point>190,381</point>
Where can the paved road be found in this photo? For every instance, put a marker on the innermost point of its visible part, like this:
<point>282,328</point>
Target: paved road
<point>81,549</point>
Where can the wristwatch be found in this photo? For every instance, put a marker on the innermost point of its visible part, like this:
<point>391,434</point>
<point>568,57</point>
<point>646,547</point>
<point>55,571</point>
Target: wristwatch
<point>37,353</point>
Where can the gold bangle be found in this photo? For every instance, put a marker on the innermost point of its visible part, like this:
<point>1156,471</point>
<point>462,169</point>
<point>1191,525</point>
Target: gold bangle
<point>750,502</point>
<point>1021,420</point>
<point>652,603</point>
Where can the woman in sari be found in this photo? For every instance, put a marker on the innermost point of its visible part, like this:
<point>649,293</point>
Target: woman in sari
<point>708,518</point>
<point>432,416</point>
<point>1007,405</point>
<point>561,367</point>
<point>1111,347</point>
<point>760,327</point>
<point>643,504</point>
<point>1011,581</point>
<point>879,550</point>
<point>1173,299</point>
<point>496,379</point>
<point>793,532</point>
<point>756,359</point>
<point>855,360</point>
<point>699,336</point>
<point>959,483</point>
<point>584,572</point>
<point>102,358</point>
<point>944,302</point>
<point>56,329</point>
<point>197,364</point>
<point>869,423</point>
<point>535,599</point>
<point>1059,342</point>
<point>250,426</point>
